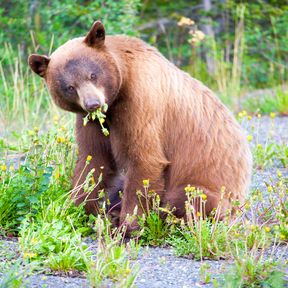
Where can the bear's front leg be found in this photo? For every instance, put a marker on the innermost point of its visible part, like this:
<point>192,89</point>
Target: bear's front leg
<point>92,142</point>
<point>133,183</point>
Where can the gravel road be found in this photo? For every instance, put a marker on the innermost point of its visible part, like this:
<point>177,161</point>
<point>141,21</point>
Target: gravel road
<point>159,267</point>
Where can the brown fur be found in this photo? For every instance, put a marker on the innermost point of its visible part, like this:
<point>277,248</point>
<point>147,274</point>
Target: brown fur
<point>164,125</point>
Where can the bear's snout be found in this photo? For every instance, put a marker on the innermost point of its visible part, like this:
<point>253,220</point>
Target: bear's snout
<point>91,105</point>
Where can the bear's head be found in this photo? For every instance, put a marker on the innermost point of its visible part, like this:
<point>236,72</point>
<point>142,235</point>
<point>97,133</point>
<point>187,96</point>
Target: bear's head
<point>82,74</point>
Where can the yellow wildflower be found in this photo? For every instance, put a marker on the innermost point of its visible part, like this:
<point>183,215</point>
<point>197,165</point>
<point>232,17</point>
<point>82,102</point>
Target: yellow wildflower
<point>204,196</point>
<point>267,229</point>
<point>259,115</point>
<point>249,117</point>
<point>198,214</point>
<point>89,158</point>
<point>29,255</point>
<point>279,173</point>
<point>4,168</point>
<point>60,139</point>
<point>259,146</point>
<point>184,21</point>
<point>269,189</point>
<point>146,183</point>
<point>249,138</point>
<point>189,189</point>
<point>282,237</point>
<point>272,115</point>
<point>240,114</point>
<point>31,133</point>
<point>11,168</point>
<point>63,128</point>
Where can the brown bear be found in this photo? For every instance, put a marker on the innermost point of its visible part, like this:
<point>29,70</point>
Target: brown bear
<point>164,125</point>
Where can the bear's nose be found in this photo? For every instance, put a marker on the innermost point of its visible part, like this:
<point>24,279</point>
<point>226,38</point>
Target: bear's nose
<point>91,105</point>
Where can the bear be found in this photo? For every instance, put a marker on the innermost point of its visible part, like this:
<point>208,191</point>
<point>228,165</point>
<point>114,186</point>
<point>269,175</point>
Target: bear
<point>164,125</point>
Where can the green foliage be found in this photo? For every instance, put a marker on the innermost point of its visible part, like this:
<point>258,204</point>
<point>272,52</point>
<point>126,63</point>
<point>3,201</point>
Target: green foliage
<point>278,101</point>
<point>23,94</point>
<point>112,258</point>
<point>249,271</point>
<point>22,192</point>
<point>43,177</point>
<point>201,237</point>
<point>156,223</point>
<point>269,154</point>
<point>265,46</point>
<point>203,240</point>
<point>16,274</point>
<point>154,230</point>
<point>63,20</point>
<point>53,236</point>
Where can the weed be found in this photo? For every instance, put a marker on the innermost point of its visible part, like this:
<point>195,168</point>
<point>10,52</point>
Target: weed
<point>112,260</point>
<point>263,155</point>
<point>41,177</point>
<point>49,236</point>
<point>271,102</point>
<point>156,223</point>
<point>200,237</point>
<point>14,277</point>
<point>205,273</point>
<point>21,93</point>
<point>252,270</point>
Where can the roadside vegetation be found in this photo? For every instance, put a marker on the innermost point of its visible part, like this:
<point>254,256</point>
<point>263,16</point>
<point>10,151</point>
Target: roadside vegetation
<point>245,63</point>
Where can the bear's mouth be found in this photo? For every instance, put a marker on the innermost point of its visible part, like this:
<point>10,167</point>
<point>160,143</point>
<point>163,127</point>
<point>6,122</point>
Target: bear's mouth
<point>98,114</point>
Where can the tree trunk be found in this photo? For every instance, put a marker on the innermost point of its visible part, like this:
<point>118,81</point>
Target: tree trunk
<point>208,30</point>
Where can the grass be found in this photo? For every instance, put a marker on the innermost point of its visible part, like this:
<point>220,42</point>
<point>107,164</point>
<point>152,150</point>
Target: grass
<point>271,102</point>
<point>36,164</point>
<point>24,97</point>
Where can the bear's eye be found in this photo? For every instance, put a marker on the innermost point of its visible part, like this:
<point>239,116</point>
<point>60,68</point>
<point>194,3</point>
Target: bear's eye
<point>93,76</point>
<point>71,89</point>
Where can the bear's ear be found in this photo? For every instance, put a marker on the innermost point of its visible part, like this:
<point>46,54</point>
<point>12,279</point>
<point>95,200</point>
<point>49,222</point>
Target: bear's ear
<point>39,64</point>
<point>96,35</point>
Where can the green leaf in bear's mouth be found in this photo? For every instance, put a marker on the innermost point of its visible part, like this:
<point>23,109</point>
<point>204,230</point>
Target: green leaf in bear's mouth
<point>99,114</point>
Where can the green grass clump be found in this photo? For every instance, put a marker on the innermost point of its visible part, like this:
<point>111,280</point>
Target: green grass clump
<point>112,261</point>
<point>267,155</point>
<point>201,237</point>
<point>53,236</point>
<point>16,275</point>
<point>266,104</point>
<point>42,175</point>
<point>156,222</point>
<point>202,241</point>
<point>251,270</point>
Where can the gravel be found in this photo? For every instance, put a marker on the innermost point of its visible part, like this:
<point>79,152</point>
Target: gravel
<point>159,267</point>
